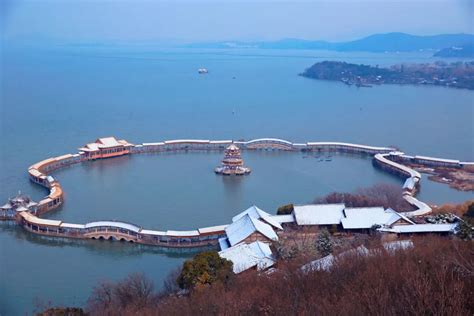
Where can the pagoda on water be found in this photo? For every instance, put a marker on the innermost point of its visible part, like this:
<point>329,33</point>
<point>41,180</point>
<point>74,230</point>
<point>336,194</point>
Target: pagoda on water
<point>232,162</point>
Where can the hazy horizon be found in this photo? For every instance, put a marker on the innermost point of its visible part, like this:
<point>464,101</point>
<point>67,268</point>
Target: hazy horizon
<point>202,21</point>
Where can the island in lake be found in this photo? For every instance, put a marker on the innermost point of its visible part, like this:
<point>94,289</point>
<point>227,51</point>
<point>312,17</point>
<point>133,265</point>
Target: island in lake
<point>457,74</point>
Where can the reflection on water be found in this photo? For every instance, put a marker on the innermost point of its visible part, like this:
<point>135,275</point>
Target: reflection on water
<point>233,187</point>
<point>102,247</point>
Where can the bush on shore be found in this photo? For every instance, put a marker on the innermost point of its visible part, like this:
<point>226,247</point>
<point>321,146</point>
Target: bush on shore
<point>204,269</point>
<point>382,194</point>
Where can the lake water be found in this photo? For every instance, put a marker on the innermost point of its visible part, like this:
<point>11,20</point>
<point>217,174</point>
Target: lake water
<point>54,100</point>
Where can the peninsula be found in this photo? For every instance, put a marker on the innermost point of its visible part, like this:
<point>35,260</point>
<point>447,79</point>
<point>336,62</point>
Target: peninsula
<point>456,75</point>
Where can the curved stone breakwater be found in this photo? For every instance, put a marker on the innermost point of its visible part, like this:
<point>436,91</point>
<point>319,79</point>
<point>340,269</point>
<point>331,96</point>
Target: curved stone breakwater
<point>27,213</point>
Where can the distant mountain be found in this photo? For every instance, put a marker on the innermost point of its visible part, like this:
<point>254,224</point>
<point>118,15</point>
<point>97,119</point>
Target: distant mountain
<point>466,51</point>
<point>390,42</point>
<point>405,42</point>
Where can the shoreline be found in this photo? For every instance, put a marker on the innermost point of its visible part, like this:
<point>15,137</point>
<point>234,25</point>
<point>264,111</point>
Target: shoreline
<point>454,75</point>
<point>457,179</point>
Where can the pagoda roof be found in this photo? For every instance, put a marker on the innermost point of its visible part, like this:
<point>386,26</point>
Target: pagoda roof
<point>232,147</point>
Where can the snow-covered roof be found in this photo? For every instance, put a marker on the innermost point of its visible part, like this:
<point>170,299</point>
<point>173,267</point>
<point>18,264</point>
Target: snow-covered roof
<point>63,157</point>
<point>326,263</point>
<point>422,208</point>
<point>245,226</point>
<point>193,141</point>
<point>31,204</point>
<point>420,228</point>
<point>366,217</point>
<point>152,232</point>
<point>257,213</point>
<point>105,142</point>
<point>452,161</point>
<point>212,229</point>
<point>6,206</point>
<point>35,173</point>
<point>108,142</point>
<point>182,233</point>
<point>318,214</point>
<point>349,145</point>
<point>42,163</point>
<point>287,218</point>
<point>39,221</point>
<point>70,225</point>
<point>382,158</point>
<point>410,183</point>
<point>55,192</point>
<point>403,216</point>
<point>246,256</point>
<point>122,225</point>
<point>22,209</point>
<point>232,147</point>
<point>90,147</point>
<point>268,140</point>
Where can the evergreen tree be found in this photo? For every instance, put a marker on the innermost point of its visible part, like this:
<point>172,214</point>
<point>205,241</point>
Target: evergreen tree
<point>204,268</point>
<point>324,243</point>
<point>465,230</point>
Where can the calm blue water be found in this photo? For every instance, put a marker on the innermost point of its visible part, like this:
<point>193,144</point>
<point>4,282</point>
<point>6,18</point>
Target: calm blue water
<point>55,100</point>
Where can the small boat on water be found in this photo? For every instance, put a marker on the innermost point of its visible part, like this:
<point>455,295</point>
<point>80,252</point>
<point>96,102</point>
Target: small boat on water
<point>202,71</point>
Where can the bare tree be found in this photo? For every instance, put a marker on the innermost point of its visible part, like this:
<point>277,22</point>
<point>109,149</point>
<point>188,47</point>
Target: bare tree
<point>382,194</point>
<point>135,290</point>
<point>169,284</point>
<point>133,294</point>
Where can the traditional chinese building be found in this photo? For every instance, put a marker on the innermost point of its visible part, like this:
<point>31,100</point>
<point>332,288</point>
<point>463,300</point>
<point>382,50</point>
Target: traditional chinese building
<point>232,162</point>
<point>105,148</point>
<point>20,203</point>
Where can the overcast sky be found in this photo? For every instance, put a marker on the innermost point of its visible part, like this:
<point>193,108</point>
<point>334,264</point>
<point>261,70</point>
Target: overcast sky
<point>200,20</point>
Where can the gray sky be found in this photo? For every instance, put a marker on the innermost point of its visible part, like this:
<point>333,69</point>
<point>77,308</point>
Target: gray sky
<point>199,20</point>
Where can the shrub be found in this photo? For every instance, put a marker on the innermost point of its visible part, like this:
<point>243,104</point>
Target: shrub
<point>285,209</point>
<point>465,230</point>
<point>386,195</point>
<point>205,268</point>
<point>324,243</point>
